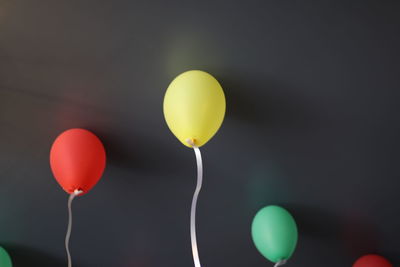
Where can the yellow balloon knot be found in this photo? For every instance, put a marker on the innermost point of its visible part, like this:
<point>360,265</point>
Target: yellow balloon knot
<point>191,141</point>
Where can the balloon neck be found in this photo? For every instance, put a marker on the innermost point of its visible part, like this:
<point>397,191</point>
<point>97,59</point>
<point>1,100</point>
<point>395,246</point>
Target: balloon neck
<point>77,192</point>
<point>191,142</point>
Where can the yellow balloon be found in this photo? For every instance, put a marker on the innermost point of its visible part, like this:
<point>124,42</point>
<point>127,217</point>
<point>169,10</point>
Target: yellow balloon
<point>194,107</point>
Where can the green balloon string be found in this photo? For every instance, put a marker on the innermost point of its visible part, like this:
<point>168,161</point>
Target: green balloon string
<point>280,263</point>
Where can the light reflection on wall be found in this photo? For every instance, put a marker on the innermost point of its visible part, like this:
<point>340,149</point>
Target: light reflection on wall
<point>267,184</point>
<point>189,48</point>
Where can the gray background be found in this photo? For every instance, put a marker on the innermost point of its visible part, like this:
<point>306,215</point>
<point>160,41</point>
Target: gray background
<point>312,124</point>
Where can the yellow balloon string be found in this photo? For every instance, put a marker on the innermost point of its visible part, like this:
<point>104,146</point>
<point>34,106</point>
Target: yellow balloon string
<point>199,161</point>
<point>69,228</point>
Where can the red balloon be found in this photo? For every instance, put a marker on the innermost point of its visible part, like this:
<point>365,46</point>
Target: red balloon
<point>372,260</point>
<point>77,160</point>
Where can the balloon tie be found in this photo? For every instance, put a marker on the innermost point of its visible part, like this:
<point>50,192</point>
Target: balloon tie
<point>280,263</point>
<point>199,161</point>
<point>68,235</point>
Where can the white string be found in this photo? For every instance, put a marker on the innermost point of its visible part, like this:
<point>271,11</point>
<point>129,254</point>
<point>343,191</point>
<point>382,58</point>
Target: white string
<point>280,263</point>
<point>199,161</point>
<point>68,235</point>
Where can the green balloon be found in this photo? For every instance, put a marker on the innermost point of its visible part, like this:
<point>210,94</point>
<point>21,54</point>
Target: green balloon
<point>274,233</point>
<point>5,260</point>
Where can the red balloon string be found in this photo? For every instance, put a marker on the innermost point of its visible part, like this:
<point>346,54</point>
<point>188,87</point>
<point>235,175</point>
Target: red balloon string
<point>69,228</point>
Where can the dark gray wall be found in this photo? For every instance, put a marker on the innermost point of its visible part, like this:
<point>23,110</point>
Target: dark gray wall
<point>312,124</point>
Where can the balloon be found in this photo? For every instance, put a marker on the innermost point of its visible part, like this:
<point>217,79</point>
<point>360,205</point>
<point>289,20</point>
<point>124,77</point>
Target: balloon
<point>372,260</point>
<point>274,233</point>
<point>77,160</point>
<point>5,260</point>
<point>194,107</point>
